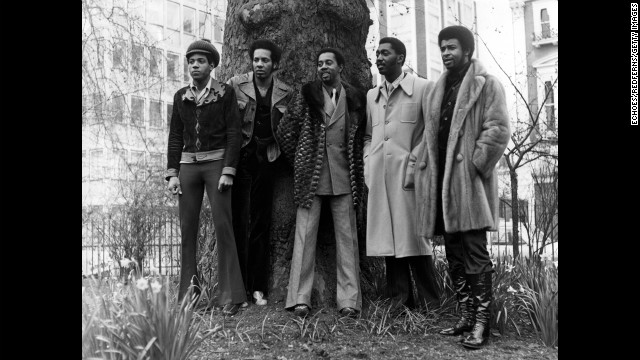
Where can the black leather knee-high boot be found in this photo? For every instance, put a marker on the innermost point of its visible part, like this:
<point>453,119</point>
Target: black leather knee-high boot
<point>481,290</point>
<point>465,305</point>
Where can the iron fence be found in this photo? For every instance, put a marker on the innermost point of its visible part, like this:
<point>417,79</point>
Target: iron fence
<point>162,250</point>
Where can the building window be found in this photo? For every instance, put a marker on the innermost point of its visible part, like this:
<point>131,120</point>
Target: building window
<point>137,111</point>
<point>155,114</point>
<point>120,164</point>
<point>173,38</point>
<point>156,33</point>
<point>186,76</point>
<point>155,160</point>
<point>119,54</point>
<point>138,167</point>
<point>550,106</point>
<point>137,58</point>
<point>545,24</point>
<point>155,11</point>
<point>204,25</point>
<point>169,113</point>
<point>97,107</point>
<point>100,52</point>
<point>173,15</point>
<point>173,66</point>
<point>155,63</point>
<point>85,166</point>
<point>96,162</point>
<point>119,107</point>
<point>188,20</point>
<point>218,29</point>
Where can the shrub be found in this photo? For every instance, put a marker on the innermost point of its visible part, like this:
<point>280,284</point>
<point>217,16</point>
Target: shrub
<point>139,321</point>
<point>538,296</point>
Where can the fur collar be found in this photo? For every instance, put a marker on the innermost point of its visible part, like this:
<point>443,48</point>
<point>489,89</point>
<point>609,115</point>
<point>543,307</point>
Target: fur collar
<point>471,87</point>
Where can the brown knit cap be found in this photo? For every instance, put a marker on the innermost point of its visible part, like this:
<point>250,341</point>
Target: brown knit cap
<point>204,46</point>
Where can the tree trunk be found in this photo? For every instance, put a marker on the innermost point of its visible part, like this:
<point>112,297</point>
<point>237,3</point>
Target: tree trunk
<point>515,212</point>
<point>301,28</point>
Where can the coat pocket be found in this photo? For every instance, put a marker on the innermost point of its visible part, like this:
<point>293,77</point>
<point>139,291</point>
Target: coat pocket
<point>409,113</point>
<point>408,182</point>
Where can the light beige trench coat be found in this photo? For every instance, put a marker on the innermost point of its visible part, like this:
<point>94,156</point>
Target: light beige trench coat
<point>479,134</point>
<point>393,133</point>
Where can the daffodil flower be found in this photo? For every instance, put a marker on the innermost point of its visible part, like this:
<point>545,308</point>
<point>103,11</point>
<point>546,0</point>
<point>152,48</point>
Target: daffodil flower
<point>142,284</point>
<point>156,286</point>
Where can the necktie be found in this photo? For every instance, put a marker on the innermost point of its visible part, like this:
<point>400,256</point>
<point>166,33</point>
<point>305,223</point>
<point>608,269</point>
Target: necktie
<point>333,97</point>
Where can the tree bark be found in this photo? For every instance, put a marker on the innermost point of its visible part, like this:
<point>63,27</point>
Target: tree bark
<point>301,28</point>
<point>515,212</point>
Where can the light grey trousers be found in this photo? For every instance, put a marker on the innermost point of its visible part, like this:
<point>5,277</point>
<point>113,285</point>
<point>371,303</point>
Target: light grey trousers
<point>304,252</point>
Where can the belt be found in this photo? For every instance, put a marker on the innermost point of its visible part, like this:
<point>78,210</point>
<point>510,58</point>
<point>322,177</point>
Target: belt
<point>203,156</point>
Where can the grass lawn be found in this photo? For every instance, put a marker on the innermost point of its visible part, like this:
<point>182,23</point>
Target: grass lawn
<point>270,332</point>
<point>144,322</point>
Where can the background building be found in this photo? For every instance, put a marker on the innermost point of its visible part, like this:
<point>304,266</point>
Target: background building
<point>133,63</point>
<point>417,24</point>
<point>535,63</point>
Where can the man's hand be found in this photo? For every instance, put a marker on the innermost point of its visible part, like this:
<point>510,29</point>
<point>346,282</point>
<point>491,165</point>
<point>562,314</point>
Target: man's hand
<point>226,181</point>
<point>174,185</point>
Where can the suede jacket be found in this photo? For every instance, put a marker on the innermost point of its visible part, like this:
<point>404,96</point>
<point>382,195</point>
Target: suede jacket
<point>302,138</point>
<point>246,96</point>
<point>215,122</point>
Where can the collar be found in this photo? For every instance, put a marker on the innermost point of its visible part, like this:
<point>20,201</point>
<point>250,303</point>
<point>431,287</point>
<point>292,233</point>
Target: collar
<point>458,75</point>
<point>214,91</point>
<point>395,82</point>
<point>194,88</point>
<point>406,83</point>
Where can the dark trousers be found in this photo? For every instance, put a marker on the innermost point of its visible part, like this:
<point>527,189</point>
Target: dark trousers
<point>252,200</point>
<point>467,251</point>
<point>194,178</point>
<point>399,280</point>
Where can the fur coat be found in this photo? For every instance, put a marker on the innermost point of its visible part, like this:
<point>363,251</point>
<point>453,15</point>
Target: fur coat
<point>302,136</point>
<point>478,137</point>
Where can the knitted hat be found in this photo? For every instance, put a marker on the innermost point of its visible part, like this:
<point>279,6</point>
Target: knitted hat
<point>204,46</point>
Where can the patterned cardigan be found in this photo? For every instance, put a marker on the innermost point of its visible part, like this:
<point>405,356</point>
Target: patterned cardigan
<point>302,136</point>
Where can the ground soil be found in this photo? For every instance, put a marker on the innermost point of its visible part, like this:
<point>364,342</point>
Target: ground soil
<point>329,337</point>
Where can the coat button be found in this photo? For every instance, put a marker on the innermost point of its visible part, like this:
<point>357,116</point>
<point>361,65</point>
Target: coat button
<point>386,121</point>
<point>461,133</point>
<point>423,165</point>
<point>384,106</point>
<point>198,111</point>
<point>459,157</point>
<point>386,138</point>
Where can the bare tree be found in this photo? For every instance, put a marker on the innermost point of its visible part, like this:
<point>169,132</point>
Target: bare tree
<point>120,58</point>
<point>300,28</point>
<point>542,227</point>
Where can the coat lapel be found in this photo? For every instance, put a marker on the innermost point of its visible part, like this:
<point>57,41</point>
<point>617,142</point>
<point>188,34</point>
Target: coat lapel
<point>339,111</point>
<point>247,87</point>
<point>280,91</point>
<point>470,89</point>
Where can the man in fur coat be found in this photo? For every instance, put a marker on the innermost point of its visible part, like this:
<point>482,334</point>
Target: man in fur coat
<point>321,134</point>
<point>466,133</point>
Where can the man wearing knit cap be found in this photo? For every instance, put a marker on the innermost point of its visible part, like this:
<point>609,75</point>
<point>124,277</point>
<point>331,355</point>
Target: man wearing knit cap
<point>262,100</point>
<point>203,148</point>
<point>466,133</point>
<point>322,137</point>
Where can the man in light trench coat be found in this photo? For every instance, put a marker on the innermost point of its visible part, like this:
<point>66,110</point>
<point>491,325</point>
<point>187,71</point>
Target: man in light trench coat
<point>466,133</point>
<point>394,129</point>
